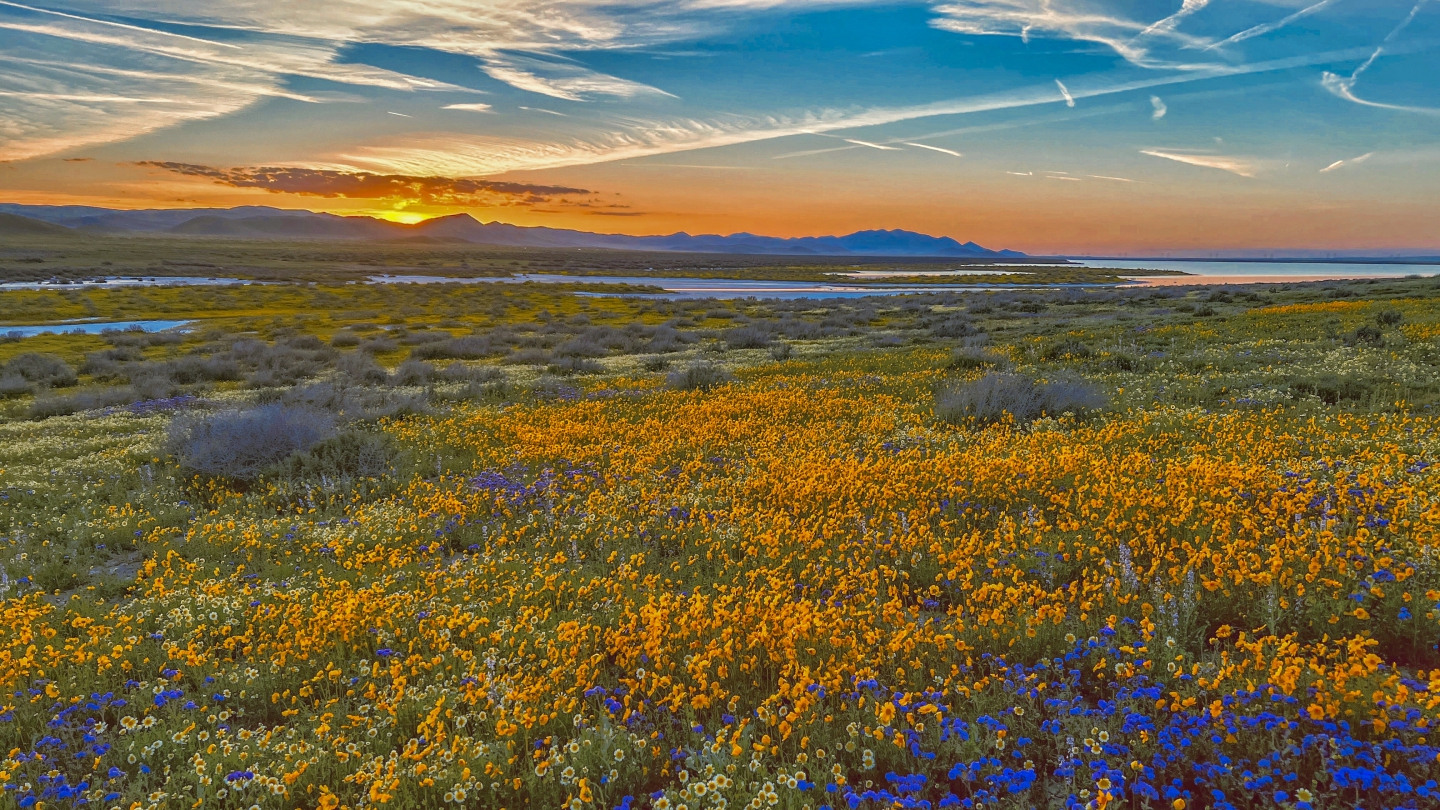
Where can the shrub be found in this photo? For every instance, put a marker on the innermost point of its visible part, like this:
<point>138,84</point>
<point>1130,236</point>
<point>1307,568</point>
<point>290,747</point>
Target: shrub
<point>361,368</point>
<point>44,370</point>
<point>581,347</point>
<point>1069,347</point>
<point>413,372</point>
<point>344,340</point>
<point>528,357</point>
<point>574,365</point>
<point>970,358</point>
<point>952,326</point>
<point>1389,318</point>
<point>13,385</point>
<point>470,347</point>
<point>1368,335</point>
<point>698,377</point>
<point>656,363</point>
<point>379,345</point>
<point>1332,389</point>
<point>459,372</point>
<point>240,444</point>
<point>85,400</point>
<point>996,395</point>
<point>745,337</point>
<point>781,351</point>
<point>351,454</point>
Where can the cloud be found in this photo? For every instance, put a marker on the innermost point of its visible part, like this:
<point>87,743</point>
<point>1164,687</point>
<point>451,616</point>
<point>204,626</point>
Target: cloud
<point>1344,87</point>
<point>1270,27</point>
<point>477,107</point>
<point>1021,174</point>
<point>1245,167</point>
<point>870,145</point>
<point>1065,93</point>
<point>1339,164</point>
<point>402,115</point>
<point>1106,177</point>
<point>562,80</point>
<point>543,110</point>
<point>939,149</point>
<point>364,185</point>
<point>1159,106</point>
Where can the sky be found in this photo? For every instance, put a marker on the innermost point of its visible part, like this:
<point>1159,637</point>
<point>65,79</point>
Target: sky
<point>1105,127</point>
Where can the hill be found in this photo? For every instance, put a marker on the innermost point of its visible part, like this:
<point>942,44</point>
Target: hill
<point>16,225</point>
<point>263,222</point>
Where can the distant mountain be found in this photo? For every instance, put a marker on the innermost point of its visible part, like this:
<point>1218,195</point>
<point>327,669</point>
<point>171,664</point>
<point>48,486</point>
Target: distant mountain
<point>263,222</point>
<point>16,225</point>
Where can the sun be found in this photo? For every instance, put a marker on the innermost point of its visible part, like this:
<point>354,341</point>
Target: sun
<point>403,217</point>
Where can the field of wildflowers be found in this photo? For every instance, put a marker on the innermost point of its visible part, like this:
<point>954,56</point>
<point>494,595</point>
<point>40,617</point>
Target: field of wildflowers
<point>796,588</point>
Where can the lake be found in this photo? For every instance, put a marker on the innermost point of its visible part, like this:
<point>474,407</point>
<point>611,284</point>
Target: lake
<point>88,327</point>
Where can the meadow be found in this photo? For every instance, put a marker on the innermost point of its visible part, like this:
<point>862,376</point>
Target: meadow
<point>510,546</point>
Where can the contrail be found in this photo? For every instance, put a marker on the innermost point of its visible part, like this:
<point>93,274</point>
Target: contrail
<point>1065,91</point>
<point>933,148</point>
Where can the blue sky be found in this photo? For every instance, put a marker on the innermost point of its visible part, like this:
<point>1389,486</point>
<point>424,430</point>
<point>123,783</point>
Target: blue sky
<point>1055,125</point>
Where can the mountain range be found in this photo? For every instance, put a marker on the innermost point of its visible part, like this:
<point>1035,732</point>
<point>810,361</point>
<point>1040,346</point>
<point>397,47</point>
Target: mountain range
<point>263,222</point>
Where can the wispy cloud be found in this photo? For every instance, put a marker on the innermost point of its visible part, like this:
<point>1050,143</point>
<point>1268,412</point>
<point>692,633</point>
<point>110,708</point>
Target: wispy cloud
<point>939,149</point>
<point>1344,87</point>
<point>1245,167</point>
<point>1158,105</point>
<point>1271,27</point>
<point>870,144</point>
<point>463,155</point>
<point>543,110</point>
<point>1065,93</point>
<point>1340,164</point>
<point>562,80</point>
<point>1106,177</point>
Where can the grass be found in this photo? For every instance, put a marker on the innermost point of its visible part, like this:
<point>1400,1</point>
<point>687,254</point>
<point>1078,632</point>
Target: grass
<point>668,564</point>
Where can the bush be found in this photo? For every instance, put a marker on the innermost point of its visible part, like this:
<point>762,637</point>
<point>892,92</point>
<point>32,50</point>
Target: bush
<point>1389,318</point>
<point>698,377</point>
<point>952,326</point>
<point>344,340</point>
<point>528,357</point>
<point>745,337</point>
<point>574,365</point>
<point>44,370</point>
<point>781,351</point>
<point>1067,348</point>
<point>459,372</point>
<point>361,368</point>
<point>413,372</point>
<point>80,401</point>
<point>240,444</point>
<point>379,345</point>
<point>1367,335</point>
<point>1332,389</point>
<point>656,363</point>
<point>970,358</point>
<point>581,347</point>
<point>996,395</point>
<point>470,347</point>
<point>351,454</point>
<point>13,385</point>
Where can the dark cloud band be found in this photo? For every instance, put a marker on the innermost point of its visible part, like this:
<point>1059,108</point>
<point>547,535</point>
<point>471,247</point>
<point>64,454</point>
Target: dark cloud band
<point>364,185</point>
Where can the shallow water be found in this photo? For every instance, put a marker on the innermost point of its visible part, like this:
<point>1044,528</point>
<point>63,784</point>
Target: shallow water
<point>676,287</point>
<point>127,281</point>
<point>1262,272</point>
<point>88,327</point>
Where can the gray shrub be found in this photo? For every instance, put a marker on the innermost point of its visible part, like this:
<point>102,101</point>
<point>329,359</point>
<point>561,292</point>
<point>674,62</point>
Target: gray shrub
<point>994,396</point>
<point>240,444</point>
